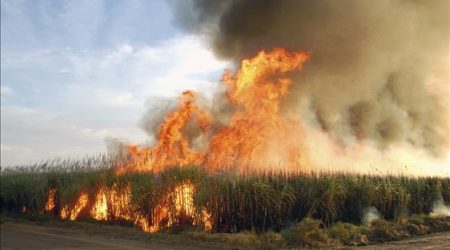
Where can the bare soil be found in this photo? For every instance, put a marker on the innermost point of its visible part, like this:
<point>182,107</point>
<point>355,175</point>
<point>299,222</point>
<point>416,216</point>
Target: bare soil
<point>431,241</point>
<point>26,235</point>
<point>19,234</point>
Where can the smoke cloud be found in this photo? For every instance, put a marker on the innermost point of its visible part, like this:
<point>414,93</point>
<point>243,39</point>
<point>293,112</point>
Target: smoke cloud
<point>370,214</point>
<point>440,209</point>
<point>157,108</point>
<point>375,93</point>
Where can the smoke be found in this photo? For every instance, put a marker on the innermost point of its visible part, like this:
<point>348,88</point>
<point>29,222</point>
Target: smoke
<point>440,209</point>
<point>370,214</point>
<point>375,93</point>
<point>151,121</point>
<point>116,146</point>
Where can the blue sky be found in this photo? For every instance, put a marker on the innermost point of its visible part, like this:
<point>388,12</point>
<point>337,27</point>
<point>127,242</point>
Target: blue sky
<point>76,72</point>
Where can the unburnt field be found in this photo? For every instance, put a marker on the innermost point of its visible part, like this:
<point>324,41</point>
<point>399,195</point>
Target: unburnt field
<point>273,209</point>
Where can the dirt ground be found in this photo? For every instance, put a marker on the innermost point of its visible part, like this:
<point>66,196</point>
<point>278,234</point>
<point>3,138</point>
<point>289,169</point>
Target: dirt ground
<point>432,241</point>
<point>27,236</point>
<point>16,235</point>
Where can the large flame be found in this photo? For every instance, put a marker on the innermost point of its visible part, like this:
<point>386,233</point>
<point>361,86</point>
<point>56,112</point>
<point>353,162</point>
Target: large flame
<point>251,138</point>
<point>256,128</point>
<point>173,147</point>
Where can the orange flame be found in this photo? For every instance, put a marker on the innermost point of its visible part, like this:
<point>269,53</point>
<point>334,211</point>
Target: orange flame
<point>251,139</point>
<point>256,127</point>
<point>254,130</point>
<point>184,202</point>
<point>100,209</point>
<point>72,213</point>
<point>50,204</point>
<point>173,147</point>
<point>114,203</point>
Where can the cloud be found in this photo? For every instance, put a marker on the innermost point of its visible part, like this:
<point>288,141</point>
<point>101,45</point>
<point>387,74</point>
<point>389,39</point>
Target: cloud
<point>30,135</point>
<point>78,72</point>
<point>88,95</point>
<point>6,91</point>
<point>83,24</point>
<point>181,58</point>
<point>126,99</point>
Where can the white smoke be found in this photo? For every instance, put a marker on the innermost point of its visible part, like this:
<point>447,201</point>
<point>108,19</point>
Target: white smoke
<point>369,215</point>
<point>440,209</point>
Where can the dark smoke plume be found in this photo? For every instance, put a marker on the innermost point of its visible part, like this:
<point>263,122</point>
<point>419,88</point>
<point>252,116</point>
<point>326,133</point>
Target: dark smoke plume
<point>377,84</point>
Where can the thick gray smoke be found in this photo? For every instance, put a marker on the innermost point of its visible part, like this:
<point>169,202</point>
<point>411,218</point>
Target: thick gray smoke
<point>376,89</point>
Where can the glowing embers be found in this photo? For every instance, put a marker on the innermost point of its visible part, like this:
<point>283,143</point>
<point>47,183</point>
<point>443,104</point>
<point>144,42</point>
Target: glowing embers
<point>206,219</point>
<point>72,213</point>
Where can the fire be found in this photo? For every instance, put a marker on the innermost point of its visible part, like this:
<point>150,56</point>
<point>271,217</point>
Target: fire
<point>250,138</point>
<point>206,218</point>
<point>256,127</point>
<point>173,147</point>
<point>181,199</point>
<point>184,202</point>
<point>114,203</point>
<point>50,204</point>
<point>72,213</point>
<point>120,201</point>
<point>100,209</point>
